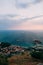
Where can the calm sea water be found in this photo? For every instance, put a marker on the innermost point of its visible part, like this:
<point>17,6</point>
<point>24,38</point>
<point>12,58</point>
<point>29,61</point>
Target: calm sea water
<point>20,38</point>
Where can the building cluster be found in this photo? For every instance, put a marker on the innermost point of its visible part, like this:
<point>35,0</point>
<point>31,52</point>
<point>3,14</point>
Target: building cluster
<point>11,50</point>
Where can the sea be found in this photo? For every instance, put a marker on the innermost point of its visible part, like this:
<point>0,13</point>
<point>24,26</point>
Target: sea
<point>23,38</point>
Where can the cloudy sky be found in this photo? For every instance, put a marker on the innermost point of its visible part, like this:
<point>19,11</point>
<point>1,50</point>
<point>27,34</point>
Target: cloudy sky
<point>21,14</point>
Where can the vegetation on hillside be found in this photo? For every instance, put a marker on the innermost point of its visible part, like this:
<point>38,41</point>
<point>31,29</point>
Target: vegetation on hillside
<point>3,60</point>
<point>4,44</point>
<point>23,59</point>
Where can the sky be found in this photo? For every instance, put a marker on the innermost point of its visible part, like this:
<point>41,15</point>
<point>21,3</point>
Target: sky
<point>21,14</point>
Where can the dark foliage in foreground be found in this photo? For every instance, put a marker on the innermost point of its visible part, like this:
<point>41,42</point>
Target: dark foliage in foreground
<point>3,60</point>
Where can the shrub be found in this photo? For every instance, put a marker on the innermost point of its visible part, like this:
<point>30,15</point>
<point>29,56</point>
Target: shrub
<point>3,60</point>
<point>38,55</point>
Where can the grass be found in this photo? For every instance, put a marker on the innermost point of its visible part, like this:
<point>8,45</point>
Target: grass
<point>23,59</point>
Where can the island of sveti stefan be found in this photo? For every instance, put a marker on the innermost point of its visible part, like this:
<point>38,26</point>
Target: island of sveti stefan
<point>16,55</point>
